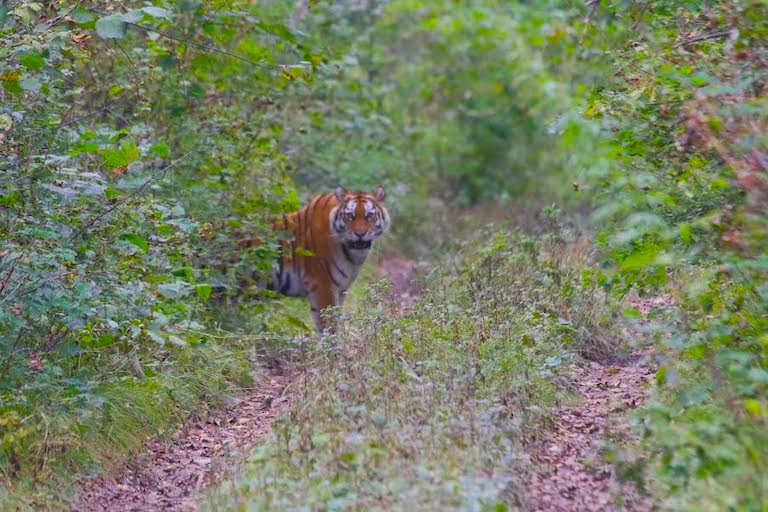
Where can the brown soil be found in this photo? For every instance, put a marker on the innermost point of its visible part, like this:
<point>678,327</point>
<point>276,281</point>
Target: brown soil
<point>169,476</point>
<point>404,289</point>
<point>573,475</point>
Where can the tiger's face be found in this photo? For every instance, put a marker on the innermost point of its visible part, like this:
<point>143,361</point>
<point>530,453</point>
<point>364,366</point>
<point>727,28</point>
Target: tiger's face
<point>359,219</point>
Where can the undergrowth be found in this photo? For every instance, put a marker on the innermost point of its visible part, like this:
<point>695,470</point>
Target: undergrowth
<point>429,410</point>
<point>62,426</point>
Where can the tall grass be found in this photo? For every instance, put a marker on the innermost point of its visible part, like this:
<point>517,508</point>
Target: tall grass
<point>69,432</point>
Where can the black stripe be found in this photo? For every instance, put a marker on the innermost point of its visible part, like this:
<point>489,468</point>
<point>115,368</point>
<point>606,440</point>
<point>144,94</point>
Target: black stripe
<point>379,212</point>
<point>344,274</point>
<point>330,274</point>
<point>287,285</point>
<point>307,244</point>
<point>295,237</point>
<point>337,224</point>
<point>326,198</point>
<point>346,253</point>
<point>300,229</point>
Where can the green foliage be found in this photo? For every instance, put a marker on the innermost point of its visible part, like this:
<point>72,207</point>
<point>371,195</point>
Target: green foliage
<point>146,146</point>
<point>139,146</point>
<point>682,204</point>
<point>447,103</point>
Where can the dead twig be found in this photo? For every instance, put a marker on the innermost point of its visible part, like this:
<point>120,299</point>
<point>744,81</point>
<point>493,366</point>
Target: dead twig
<point>9,272</point>
<point>154,177</point>
<point>592,4</point>
<point>705,37</point>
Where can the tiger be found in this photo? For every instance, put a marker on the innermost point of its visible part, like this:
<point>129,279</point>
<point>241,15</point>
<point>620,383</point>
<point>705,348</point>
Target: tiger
<point>327,242</point>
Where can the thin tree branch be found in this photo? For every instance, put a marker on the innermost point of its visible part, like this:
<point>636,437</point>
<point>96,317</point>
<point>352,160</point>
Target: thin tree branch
<point>698,39</point>
<point>197,45</point>
<point>592,8</point>
<point>154,177</point>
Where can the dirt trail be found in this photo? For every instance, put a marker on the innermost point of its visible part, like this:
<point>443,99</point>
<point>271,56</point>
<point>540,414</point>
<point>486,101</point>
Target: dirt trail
<point>574,476</point>
<point>169,476</point>
<point>404,289</point>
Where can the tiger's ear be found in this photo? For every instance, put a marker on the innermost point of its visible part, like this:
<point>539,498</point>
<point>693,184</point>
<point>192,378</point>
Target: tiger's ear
<point>379,193</point>
<point>340,193</point>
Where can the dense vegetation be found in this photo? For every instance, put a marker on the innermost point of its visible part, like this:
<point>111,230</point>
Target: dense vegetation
<point>142,142</point>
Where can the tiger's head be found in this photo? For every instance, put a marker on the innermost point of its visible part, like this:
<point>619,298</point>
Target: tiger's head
<point>359,219</point>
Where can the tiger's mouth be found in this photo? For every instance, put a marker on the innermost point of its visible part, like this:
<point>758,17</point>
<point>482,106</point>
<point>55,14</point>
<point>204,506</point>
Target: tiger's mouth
<point>359,245</point>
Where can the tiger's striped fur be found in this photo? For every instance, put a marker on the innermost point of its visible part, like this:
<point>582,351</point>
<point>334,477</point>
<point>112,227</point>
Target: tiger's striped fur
<point>328,241</point>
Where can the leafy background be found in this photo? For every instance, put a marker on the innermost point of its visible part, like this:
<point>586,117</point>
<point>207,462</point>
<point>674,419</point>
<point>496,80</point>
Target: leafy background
<point>145,146</point>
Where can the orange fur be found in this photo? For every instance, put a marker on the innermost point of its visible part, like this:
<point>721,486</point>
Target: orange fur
<point>328,241</point>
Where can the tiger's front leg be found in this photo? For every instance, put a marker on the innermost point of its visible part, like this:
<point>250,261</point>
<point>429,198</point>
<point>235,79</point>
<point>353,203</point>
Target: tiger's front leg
<point>322,297</point>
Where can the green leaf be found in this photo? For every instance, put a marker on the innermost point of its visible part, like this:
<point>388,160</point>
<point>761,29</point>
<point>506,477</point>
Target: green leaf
<point>133,16</point>
<point>119,157</point>
<point>111,27</point>
<point>279,30</point>
<point>6,123</point>
<point>203,291</point>
<point>157,12</point>
<point>32,61</point>
<point>173,290</point>
<point>685,232</point>
<point>296,322</point>
<point>161,150</point>
<point>700,79</point>
<point>30,84</point>
<point>156,338</point>
<point>84,147</point>
<point>136,240</point>
<point>81,16</point>
<point>758,375</point>
<point>12,86</point>
<point>753,407</point>
<point>177,341</point>
<point>184,272</point>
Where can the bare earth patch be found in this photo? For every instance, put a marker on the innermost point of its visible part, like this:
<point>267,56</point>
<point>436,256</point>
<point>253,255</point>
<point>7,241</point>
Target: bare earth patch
<point>574,477</point>
<point>404,289</point>
<point>170,476</point>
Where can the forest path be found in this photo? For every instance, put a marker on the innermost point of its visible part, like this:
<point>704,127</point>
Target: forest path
<point>574,477</point>
<point>171,476</point>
